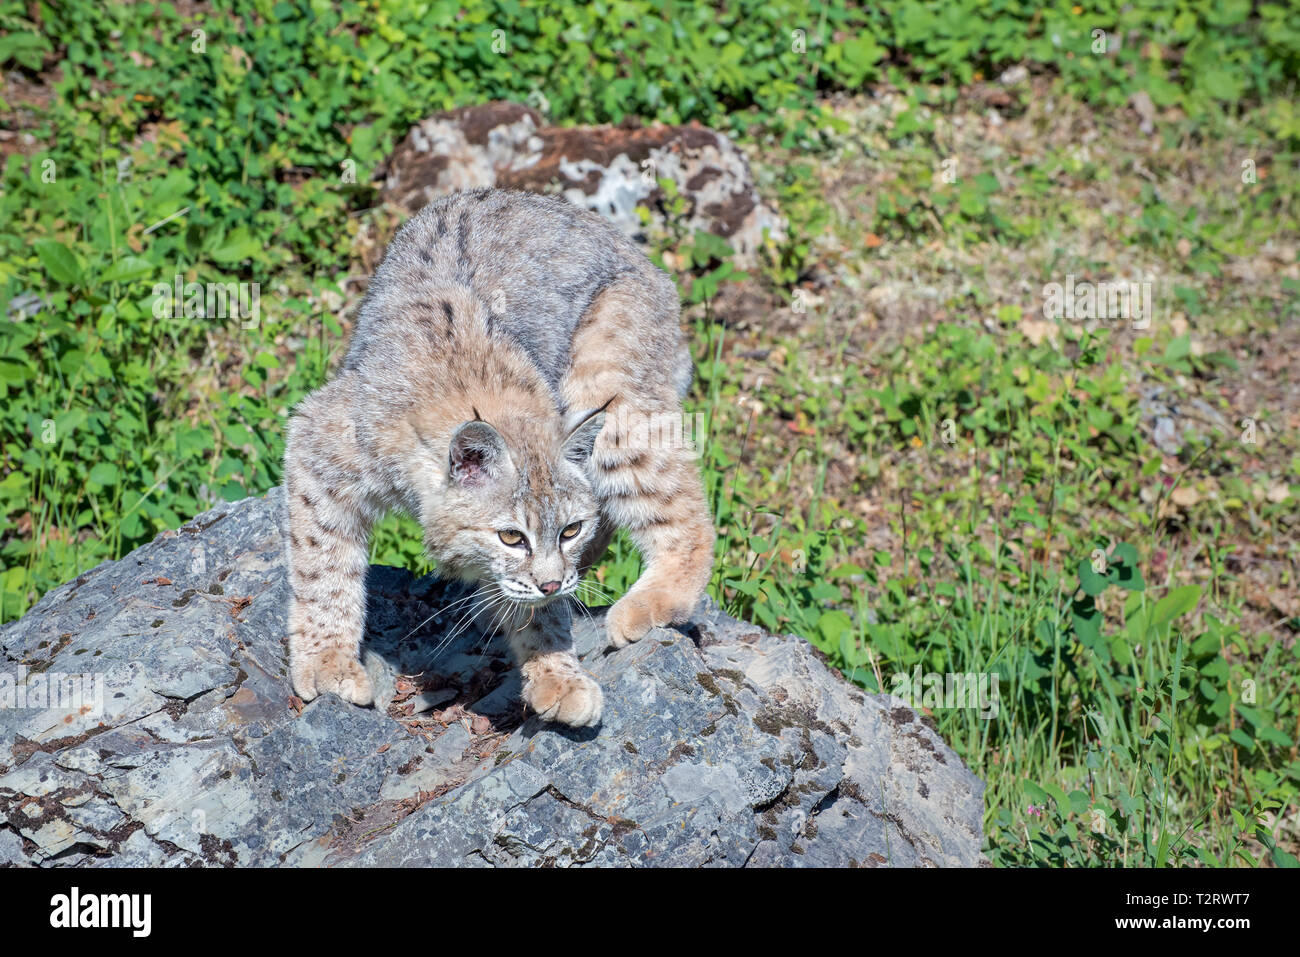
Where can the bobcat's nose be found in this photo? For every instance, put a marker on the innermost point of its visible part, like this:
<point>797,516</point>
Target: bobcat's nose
<point>549,588</point>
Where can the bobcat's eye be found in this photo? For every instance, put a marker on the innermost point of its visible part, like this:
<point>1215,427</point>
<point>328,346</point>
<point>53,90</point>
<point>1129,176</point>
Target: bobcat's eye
<point>512,536</point>
<point>571,529</point>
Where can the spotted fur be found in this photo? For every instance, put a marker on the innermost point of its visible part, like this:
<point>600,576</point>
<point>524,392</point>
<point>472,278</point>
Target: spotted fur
<point>506,350</point>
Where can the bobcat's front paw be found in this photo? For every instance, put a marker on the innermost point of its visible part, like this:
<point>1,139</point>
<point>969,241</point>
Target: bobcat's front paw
<point>330,670</point>
<point>637,612</point>
<point>560,691</point>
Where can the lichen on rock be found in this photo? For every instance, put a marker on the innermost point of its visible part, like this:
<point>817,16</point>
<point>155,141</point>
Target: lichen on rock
<point>610,170</point>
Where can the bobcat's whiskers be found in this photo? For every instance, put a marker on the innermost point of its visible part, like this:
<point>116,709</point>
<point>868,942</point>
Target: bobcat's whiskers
<point>532,610</point>
<point>440,611</point>
<point>489,598</point>
<point>591,589</point>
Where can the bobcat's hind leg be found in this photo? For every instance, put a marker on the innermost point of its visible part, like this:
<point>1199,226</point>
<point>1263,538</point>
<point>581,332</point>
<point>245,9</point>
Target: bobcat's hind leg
<point>329,529</point>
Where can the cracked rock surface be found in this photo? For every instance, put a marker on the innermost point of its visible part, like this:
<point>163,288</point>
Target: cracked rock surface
<point>146,718</point>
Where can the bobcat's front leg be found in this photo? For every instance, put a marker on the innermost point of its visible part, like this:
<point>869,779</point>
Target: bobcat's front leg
<point>329,529</point>
<point>645,466</point>
<point>555,686</point>
<point>658,496</point>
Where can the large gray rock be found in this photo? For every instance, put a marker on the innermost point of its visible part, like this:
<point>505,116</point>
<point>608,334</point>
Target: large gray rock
<point>720,744</point>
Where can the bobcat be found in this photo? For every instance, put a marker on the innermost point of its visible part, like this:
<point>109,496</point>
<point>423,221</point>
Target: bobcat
<point>505,343</point>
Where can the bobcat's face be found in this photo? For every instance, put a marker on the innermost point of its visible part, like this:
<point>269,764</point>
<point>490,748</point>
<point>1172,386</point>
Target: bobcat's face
<point>537,552</point>
<point>517,521</point>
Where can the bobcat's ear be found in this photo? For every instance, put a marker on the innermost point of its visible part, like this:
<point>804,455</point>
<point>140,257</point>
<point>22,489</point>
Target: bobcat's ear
<point>583,429</point>
<point>477,455</point>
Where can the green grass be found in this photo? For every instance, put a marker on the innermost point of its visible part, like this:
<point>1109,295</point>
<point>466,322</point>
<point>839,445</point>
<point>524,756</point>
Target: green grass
<point>1145,717</point>
<point>1098,709</point>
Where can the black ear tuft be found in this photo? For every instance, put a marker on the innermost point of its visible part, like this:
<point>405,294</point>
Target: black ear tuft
<point>477,454</point>
<point>584,427</point>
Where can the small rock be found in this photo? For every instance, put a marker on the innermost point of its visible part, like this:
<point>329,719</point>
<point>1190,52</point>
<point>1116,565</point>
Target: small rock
<point>1145,109</point>
<point>428,700</point>
<point>1014,75</point>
